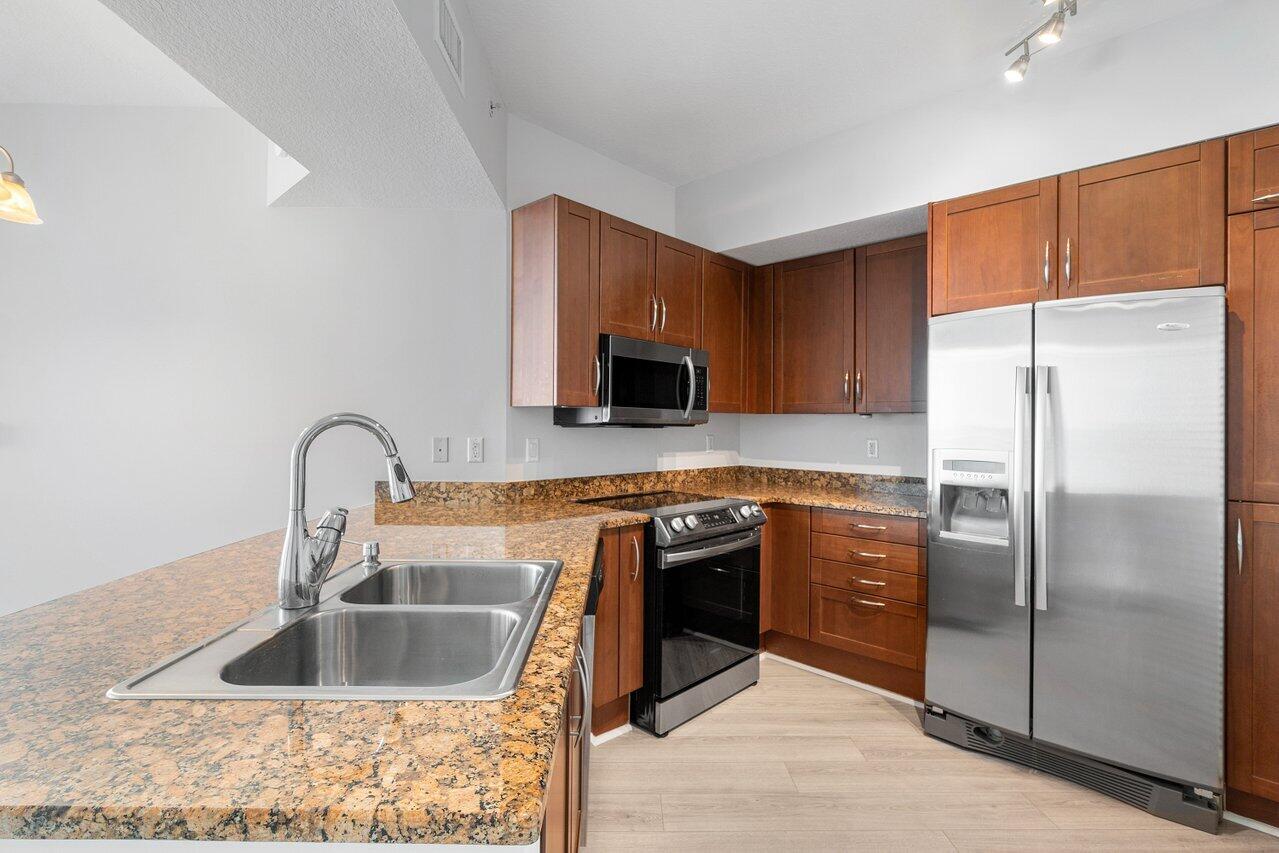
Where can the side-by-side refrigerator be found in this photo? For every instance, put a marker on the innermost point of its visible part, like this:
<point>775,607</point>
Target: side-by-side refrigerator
<point>1076,542</point>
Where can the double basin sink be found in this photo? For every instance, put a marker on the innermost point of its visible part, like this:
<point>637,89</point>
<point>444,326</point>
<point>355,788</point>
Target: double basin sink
<point>413,630</point>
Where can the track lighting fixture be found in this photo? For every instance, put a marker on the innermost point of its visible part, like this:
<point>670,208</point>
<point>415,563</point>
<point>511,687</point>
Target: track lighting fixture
<point>1048,33</point>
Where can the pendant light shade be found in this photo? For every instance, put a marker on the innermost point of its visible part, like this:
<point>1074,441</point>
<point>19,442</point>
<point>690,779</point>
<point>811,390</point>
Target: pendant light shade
<point>15,202</point>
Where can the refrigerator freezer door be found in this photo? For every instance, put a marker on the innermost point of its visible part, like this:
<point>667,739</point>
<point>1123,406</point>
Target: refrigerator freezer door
<point>1129,642</point>
<point>979,440</point>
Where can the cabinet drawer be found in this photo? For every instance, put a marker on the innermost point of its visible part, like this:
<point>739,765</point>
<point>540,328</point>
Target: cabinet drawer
<point>867,552</point>
<point>895,585</point>
<point>868,625</point>
<point>865,525</point>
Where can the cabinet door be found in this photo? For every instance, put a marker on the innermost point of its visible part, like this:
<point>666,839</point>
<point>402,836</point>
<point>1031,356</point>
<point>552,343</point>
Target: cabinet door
<point>724,285</point>
<point>577,700</point>
<point>788,566</point>
<point>1253,177</point>
<point>813,334</point>
<point>628,258</point>
<point>993,248</point>
<point>1252,649</point>
<point>759,341</point>
<point>630,656</point>
<point>577,324</point>
<point>892,326</point>
<point>555,819</point>
<point>1252,358</point>
<point>607,624</point>
<point>868,625</point>
<point>679,292</point>
<point>1148,223</point>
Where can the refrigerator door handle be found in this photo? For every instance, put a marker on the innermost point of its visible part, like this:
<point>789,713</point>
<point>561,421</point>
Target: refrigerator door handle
<point>1021,542</point>
<point>1039,474</point>
<point>1239,545</point>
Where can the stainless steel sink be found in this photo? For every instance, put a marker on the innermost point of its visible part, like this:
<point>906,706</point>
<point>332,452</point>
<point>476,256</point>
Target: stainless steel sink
<point>415,630</point>
<point>449,583</point>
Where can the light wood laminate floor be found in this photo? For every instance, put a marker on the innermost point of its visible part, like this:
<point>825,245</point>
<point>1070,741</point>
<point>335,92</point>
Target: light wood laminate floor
<point>803,762</point>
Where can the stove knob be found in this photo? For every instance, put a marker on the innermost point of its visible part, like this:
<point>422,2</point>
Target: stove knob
<point>677,524</point>
<point>691,521</point>
<point>744,511</point>
<point>755,510</point>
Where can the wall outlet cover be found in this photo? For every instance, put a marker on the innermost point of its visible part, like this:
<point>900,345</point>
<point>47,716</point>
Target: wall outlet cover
<point>710,442</point>
<point>872,448</point>
<point>475,449</point>
<point>532,449</point>
<point>440,448</point>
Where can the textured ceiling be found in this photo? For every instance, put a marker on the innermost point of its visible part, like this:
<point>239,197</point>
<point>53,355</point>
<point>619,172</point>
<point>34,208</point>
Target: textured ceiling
<point>341,86</point>
<point>78,52</point>
<point>681,90</point>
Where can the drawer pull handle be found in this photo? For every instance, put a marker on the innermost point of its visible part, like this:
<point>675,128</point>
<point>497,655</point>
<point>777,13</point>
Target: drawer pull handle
<point>869,583</point>
<point>869,603</point>
<point>867,555</point>
<point>1266,199</point>
<point>871,526</point>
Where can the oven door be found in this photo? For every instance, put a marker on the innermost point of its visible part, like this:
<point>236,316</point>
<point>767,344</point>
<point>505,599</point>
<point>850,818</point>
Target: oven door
<point>651,383</point>
<point>707,608</point>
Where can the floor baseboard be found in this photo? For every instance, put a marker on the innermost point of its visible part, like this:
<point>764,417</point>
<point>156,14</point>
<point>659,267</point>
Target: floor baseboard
<point>888,694</point>
<point>1252,824</point>
<point>596,740</point>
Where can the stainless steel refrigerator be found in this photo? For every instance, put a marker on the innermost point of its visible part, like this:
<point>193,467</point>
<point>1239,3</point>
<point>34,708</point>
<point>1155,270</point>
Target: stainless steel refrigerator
<point>1076,542</point>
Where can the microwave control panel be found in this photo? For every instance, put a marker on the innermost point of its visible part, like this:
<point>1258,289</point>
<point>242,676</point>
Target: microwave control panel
<point>699,398</point>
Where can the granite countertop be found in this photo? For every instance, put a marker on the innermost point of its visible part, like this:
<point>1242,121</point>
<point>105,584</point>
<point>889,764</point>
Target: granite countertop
<point>882,503</point>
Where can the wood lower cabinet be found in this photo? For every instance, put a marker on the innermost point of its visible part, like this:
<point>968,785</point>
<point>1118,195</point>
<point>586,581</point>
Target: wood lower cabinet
<point>555,253</point>
<point>555,816</point>
<point>993,248</point>
<point>619,628</point>
<point>867,552</point>
<point>759,341</point>
<point>725,282</point>
<point>891,338</point>
<point>1252,179</point>
<point>868,625</point>
<point>678,291</point>
<point>787,534</point>
<point>1252,660</point>
<point>1147,223</point>
<point>1252,357</point>
<point>813,323</point>
<point>866,525</point>
<point>627,276</point>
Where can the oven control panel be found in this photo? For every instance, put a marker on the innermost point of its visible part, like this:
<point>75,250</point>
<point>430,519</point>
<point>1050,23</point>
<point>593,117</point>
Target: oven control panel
<point>716,518</point>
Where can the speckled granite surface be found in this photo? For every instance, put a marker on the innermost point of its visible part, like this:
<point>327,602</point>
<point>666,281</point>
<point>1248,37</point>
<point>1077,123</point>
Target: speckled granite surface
<point>74,764</point>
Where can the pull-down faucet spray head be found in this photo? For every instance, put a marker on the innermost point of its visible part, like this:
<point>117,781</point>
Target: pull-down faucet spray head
<point>401,484</point>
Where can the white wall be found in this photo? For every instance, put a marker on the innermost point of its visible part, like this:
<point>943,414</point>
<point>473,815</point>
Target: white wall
<point>1177,81</point>
<point>165,336</point>
<point>837,442</point>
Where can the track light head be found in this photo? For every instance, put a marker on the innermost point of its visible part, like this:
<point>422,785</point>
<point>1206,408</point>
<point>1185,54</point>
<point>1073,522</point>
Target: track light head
<point>1051,32</point>
<point>1017,71</point>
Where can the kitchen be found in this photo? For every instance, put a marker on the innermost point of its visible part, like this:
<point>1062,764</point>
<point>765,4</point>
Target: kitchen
<point>785,598</point>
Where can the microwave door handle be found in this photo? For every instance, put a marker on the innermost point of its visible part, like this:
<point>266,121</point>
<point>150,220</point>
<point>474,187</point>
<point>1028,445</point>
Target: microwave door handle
<point>692,386</point>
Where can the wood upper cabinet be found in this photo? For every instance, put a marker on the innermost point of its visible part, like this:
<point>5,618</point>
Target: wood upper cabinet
<point>725,282</point>
<point>628,267</point>
<point>678,291</point>
<point>993,248</point>
<point>891,284</point>
<point>630,643</point>
<point>1252,649</point>
<point>1253,176</point>
<point>787,559</point>
<point>1252,358</point>
<point>813,321</point>
<point>1147,223</point>
<point>555,257</point>
<point>759,341</point>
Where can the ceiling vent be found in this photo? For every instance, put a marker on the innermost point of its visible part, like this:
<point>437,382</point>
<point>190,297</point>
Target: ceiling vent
<point>449,38</point>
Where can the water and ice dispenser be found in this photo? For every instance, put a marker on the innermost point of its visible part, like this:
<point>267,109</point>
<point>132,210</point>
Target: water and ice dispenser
<point>971,497</point>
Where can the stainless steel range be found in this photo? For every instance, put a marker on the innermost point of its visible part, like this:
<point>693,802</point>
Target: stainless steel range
<point>701,603</point>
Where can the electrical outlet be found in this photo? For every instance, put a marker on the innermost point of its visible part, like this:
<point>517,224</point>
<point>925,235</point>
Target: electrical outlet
<point>710,442</point>
<point>532,449</point>
<point>872,448</point>
<point>440,448</point>
<point>475,449</point>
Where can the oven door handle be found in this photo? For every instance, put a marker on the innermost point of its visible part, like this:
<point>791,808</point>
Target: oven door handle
<point>738,543</point>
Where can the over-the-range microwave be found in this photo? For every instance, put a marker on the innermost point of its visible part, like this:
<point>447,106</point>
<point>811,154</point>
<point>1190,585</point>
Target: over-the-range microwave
<point>644,384</point>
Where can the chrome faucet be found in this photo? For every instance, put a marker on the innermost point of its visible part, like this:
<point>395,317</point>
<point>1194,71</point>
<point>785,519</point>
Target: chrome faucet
<point>307,559</point>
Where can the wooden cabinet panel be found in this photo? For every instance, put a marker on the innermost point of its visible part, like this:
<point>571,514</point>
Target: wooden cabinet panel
<point>724,286</point>
<point>577,700</point>
<point>866,525</point>
<point>555,817</point>
<point>608,624</point>
<point>630,644</point>
<point>628,260</point>
<point>759,341</point>
<point>813,334</point>
<point>788,566</point>
<point>678,290</point>
<point>993,248</point>
<point>878,628</point>
<point>1147,223</point>
<point>1253,171</point>
<point>898,586</point>
<point>1252,358</point>
<point>1252,650</point>
<point>554,303</point>
<point>865,552</point>
<point>891,282</point>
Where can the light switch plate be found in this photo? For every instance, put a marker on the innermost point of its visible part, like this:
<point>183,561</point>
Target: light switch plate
<point>532,449</point>
<point>440,448</point>
<point>475,449</point>
<point>872,448</point>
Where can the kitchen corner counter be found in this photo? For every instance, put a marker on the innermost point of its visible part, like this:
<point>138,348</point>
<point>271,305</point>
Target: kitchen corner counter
<point>882,503</point>
<point>74,764</point>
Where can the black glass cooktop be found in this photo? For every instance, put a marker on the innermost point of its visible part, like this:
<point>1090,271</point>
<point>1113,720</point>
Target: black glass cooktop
<point>646,501</point>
